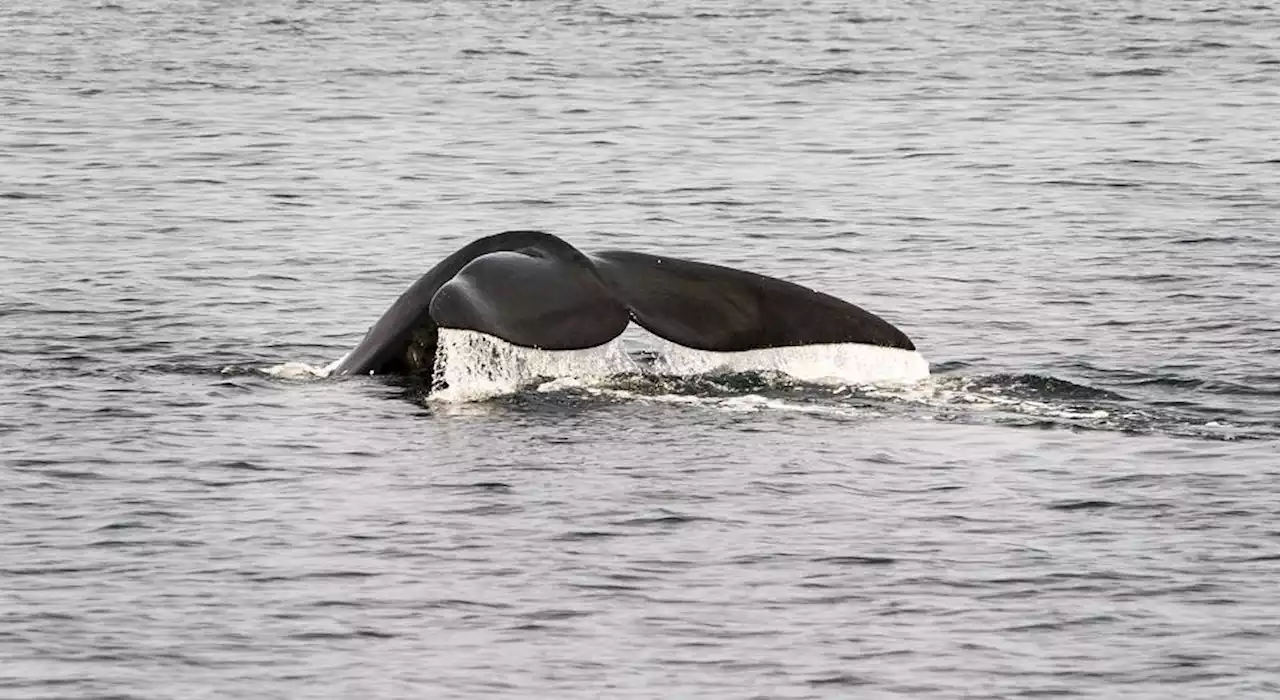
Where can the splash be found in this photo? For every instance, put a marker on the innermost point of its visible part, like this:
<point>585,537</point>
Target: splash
<point>1002,393</point>
<point>472,366</point>
<point>818,364</point>
<point>843,381</point>
<point>291,370</point>
<point>741,403</point>
<point>300,370</point>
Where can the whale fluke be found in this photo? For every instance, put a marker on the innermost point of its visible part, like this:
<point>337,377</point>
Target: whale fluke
<point>710,307</point>
<point>535,290</point>
<point>534,298</point>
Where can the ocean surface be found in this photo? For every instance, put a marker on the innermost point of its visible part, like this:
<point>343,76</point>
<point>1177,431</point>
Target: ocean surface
<point>1073,208</point>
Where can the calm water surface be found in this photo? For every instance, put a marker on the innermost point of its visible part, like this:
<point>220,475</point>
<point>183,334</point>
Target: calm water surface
<point>1072,208</point>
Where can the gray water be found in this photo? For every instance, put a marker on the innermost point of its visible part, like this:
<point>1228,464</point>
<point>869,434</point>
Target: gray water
<point>1071,208</point>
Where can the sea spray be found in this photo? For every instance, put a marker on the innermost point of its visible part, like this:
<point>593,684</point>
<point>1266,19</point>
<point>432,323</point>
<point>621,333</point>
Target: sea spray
<point>846,363</point>
<point>472,366</point>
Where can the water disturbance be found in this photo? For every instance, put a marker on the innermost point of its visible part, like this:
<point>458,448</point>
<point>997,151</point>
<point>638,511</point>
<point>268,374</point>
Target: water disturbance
<point>1071,490</point>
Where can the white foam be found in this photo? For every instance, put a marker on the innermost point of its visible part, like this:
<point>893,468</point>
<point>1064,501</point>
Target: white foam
<point>296,370</point>
<point>302,370</point>
<point>845,363</point>
<point>474,366</point>
<point>959,391</point>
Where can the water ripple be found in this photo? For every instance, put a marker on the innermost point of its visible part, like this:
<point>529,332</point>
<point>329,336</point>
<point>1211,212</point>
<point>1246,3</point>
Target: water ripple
<point>1072,210</point>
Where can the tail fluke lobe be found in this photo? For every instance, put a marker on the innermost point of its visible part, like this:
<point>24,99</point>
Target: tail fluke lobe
<point>710,307</point>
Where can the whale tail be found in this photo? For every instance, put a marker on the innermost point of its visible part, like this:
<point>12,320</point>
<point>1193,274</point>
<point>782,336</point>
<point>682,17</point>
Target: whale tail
<point>535,290</point>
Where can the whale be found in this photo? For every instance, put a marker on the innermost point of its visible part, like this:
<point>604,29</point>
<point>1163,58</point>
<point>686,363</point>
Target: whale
<point>535,290</point>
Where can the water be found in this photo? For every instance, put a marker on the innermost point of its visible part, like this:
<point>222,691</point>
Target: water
<point>1071,208</point>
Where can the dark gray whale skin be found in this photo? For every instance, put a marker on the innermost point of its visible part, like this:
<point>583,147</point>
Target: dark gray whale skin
<point>533,289</point>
